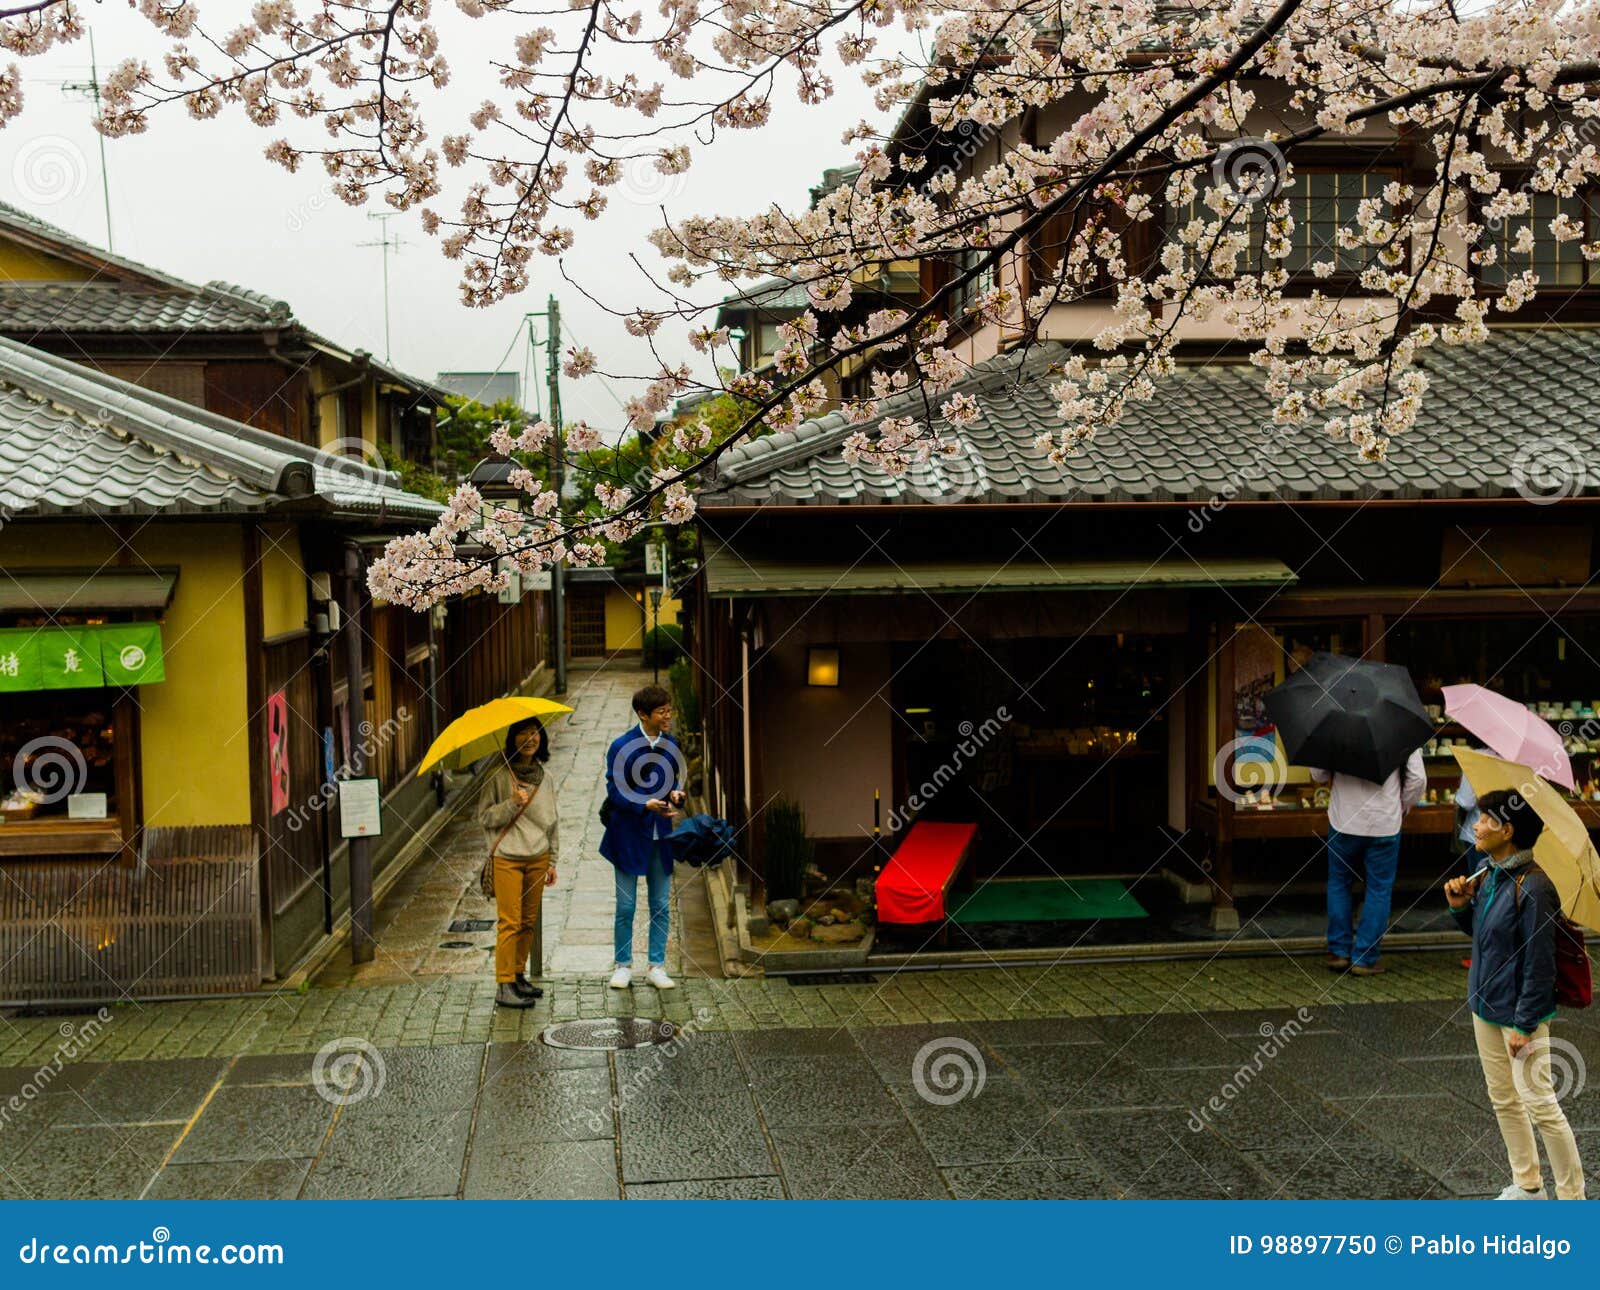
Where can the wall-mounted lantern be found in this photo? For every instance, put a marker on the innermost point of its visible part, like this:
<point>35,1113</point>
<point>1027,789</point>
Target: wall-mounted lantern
<point>822,665</point>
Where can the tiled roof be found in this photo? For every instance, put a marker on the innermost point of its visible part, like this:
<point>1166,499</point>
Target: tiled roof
<point>1207,433</point>
<point>770,295</point>
<point>109,306</point>
<point>74,441</point>
<point>132,297</point>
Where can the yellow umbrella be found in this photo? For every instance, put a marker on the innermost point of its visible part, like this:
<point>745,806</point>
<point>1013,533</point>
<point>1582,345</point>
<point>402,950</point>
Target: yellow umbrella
<point>1564,850</point>
<point>482,731</point>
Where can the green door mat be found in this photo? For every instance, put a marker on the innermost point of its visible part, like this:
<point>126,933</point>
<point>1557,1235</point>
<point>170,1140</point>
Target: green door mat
<point>1047,900</point>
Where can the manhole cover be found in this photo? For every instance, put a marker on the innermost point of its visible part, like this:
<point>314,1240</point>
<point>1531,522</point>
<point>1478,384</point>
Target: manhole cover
<point>456,945</point>
<point>609,1032</point>
<point>471,925</point>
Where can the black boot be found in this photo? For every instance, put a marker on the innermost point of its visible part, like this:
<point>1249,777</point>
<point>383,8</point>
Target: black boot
<point>526,988</point>
<point>507,997</point>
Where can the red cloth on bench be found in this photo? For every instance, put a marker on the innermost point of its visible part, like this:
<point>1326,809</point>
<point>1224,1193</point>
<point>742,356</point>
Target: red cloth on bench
<point>911,886</point>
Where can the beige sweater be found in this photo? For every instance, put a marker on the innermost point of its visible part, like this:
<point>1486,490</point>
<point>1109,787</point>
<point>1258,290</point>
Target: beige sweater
<point>536,831</point>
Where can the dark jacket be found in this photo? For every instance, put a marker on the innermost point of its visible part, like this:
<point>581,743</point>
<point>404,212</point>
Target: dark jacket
<point>636,772</point>
<point>1512,981</point>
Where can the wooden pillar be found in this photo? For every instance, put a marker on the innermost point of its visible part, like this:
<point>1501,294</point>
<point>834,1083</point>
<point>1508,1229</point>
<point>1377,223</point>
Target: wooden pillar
<point>255,665</point>
<point>1224,917</point>
<point>1372,638</point>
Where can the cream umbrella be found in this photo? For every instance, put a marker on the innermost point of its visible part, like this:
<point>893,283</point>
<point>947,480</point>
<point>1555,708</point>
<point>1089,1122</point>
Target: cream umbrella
<point>1564,850</point>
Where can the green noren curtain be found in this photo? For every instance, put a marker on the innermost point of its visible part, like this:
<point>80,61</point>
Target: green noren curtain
<point>72,658</point>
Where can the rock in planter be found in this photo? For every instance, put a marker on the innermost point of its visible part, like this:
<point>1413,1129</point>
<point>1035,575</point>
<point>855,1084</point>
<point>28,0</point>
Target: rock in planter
<point>800,927</point>
<point>839,933</point>
<point>757,925</point>
<point>783,911</point>
<point>827,920</point>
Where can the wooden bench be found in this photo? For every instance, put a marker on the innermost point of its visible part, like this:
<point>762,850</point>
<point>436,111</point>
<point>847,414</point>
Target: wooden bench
<point>916,882</point>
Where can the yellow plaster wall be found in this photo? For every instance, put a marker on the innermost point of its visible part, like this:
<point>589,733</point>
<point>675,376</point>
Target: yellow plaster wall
<point>325,375</point>
<point>194,744</point>
<point>22,264</point>
<point>283,581</point>
<point>626,619</point>
<point>622,621</point>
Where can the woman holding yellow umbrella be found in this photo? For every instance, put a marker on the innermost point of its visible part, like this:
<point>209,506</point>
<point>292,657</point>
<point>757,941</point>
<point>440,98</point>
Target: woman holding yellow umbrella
<point>518,814</point>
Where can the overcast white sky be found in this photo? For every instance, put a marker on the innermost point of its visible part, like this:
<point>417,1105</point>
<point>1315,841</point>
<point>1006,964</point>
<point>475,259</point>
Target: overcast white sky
<point>199,201</point>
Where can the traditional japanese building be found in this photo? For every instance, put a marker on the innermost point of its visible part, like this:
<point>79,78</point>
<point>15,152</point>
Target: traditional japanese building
<point>220,347</point>
<point>174,699</point>
<point>1073,657</point>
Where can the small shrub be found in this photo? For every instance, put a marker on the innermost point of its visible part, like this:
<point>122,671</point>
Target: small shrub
<point>789,850</point>
<point>663,644</point>
<point>685,698</point>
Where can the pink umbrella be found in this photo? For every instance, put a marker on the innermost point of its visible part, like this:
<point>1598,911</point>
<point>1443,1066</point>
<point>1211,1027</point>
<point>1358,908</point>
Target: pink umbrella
<point>1510,731</point>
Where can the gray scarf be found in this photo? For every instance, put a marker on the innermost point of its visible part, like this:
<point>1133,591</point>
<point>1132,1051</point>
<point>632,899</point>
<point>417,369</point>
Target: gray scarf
<point>1513,861</point>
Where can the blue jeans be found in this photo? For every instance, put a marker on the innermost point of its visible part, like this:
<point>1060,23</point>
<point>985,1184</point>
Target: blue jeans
<point>1348,854</point>
<point>658,882</point>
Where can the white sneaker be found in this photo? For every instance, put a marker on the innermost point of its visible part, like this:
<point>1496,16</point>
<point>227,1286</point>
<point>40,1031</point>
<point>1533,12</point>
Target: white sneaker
<point>622,978</point>
<point>657,976</point>
<point>1515,1192</point>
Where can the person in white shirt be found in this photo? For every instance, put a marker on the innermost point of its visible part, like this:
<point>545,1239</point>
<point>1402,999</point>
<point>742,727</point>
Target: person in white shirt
<point>1364,837</point>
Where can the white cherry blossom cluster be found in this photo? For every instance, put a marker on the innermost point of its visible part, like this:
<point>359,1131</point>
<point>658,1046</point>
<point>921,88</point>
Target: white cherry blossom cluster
<point>1148,160</point>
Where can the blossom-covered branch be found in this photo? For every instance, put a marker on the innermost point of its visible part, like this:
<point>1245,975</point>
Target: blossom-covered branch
<point>1123,176</point>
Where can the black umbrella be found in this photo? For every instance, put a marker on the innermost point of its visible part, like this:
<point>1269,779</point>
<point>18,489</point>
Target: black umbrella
<point>1349,715</point>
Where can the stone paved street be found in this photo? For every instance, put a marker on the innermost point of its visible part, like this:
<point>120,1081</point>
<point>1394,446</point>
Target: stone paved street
<point>1226,1077</point>
<point>1341,1099</point>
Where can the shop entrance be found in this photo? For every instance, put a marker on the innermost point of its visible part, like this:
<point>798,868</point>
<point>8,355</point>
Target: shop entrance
<point>1056,749</point>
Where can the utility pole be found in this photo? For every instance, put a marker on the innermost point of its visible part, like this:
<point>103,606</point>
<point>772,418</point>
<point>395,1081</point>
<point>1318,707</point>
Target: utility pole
<point>91,88</point>
<point>558,479</point>
<point>385,241</point>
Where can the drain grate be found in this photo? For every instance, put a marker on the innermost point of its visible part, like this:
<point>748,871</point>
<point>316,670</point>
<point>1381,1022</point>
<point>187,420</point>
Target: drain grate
<point>457,945</point>
<point>472,925</point>
<point>831,978</point>
<point>609,1032</point>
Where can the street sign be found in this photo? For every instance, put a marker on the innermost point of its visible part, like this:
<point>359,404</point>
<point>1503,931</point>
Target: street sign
<point>511,593</point>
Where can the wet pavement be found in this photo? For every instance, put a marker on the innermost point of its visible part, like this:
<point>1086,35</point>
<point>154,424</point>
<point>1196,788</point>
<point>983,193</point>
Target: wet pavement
<point>1332,1100</point>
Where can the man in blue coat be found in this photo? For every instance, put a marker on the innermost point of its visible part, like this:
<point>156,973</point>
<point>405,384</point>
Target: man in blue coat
<point>645,774</point>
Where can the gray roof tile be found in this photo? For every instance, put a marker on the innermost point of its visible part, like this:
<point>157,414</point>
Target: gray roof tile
<point>1209,429</point>
<point>75,441</point>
